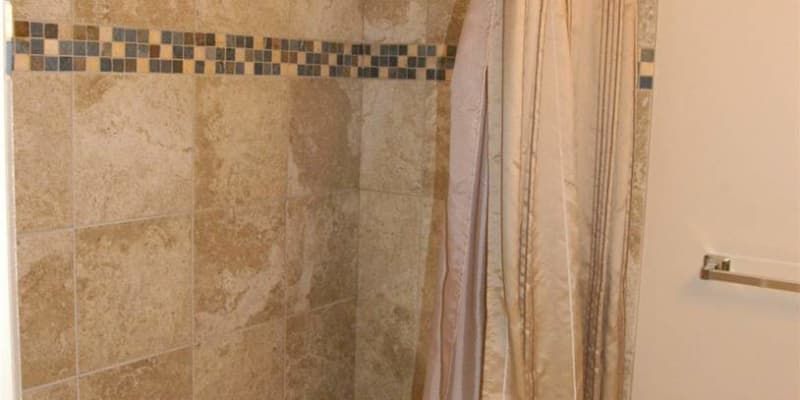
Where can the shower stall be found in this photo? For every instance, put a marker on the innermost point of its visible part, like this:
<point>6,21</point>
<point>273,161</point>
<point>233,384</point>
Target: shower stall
<point>222,199</point>
<point>400,200</point>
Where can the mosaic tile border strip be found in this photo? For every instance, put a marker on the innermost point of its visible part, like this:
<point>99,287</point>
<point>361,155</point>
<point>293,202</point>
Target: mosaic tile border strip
<point>647,68</point>
<point>51,47</point>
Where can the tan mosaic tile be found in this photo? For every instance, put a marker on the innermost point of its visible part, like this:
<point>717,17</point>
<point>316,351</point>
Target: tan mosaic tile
<point>46,307</point>
<point>134,290</point>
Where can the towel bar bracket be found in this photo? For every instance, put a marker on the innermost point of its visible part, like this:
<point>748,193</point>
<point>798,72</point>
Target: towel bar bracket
<point>718,268</point>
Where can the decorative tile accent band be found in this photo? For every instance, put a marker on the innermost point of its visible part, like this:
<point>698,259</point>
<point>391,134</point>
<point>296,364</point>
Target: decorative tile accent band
<point>647,59</point>
<point>54,47</point>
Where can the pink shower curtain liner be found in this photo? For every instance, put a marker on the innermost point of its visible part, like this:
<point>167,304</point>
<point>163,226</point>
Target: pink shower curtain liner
<point>455,365</point>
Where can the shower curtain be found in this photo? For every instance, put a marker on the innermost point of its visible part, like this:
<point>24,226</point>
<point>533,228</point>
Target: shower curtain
<point>544,218</point>
<point>454,365</point>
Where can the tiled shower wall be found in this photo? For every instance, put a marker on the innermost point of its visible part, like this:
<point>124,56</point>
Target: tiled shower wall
<point>229,237</point>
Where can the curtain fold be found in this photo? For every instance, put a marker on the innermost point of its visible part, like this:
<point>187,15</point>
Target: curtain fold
<point>568,111</point>
<point>540,204</point>
<point>455,364</point>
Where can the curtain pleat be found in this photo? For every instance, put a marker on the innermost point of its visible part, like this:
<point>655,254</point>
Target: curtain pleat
<point>568,112</point>
<point>543,204</point>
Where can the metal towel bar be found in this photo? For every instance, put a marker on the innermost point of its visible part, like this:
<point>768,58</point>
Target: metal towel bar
<point>718,268</point>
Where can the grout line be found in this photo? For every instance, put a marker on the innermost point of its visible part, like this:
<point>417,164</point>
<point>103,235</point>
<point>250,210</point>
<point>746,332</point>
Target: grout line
<point>362,9</point>
<point>192,168</point>
<point>216,337</point>
<point>285,333</point>
<point>73,227</point>
<point>193,256</point>
<point>186,213</point>
<point>105,223</point>
<point>284,277</point>
<point>321,308</point>
<point>328,305</point>
<point>74,233</point>
<point>134,360</point>
<point>203,210</point>
<point>77,377</point>
<point>313,195</point>
<point>134,220</point>
<point>358,234</point>
<point>51,384</point>
<point>427,196</point>
<point>45,231</point>
<point>49,229</point>
<point>15,237</point>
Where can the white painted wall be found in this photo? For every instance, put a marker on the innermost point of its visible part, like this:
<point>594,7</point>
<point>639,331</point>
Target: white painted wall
<point>724,177</point>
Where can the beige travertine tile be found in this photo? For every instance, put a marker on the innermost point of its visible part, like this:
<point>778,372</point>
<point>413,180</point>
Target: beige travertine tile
<point>133,138</point>
<point>325,135</point>
<point>397,21</point>
<point>387,328</point>
<point>647,23</point>
<point>134,290</point>
<point>43,10</point>
<point>335,20</point>
<point>46,307</point>
<point>431,244</point>
<point>264,17</point>
<point>398,150</point>
<point>445,19</point>
<point>322,249</point>
<point>166,376</point>
<point>169,14</point>
<point>397,249</point>
<point>320,347</point>
<point>42,150</point>
<point>389,243</point>
<point>239,268</point>
<point>61,391</point>
<point>242,140</point>
<point>400,244</point>
<point>436,176</point>
<point>245,365</point>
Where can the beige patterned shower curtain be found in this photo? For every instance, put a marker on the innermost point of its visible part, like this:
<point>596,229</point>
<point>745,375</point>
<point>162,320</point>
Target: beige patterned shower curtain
<point>558,207</point>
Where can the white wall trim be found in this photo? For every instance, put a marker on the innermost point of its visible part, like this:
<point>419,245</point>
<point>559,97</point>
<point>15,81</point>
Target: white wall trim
<point>9,377</point>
